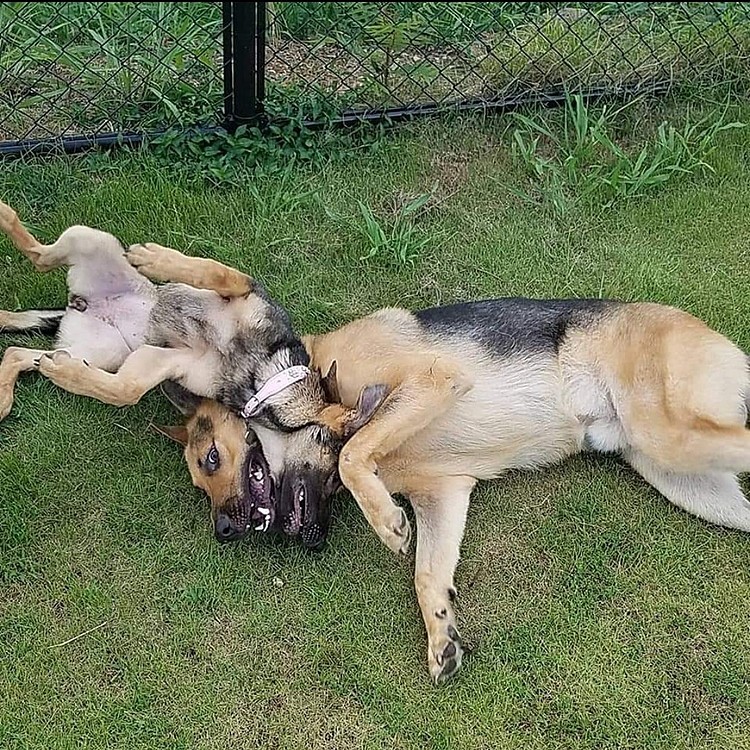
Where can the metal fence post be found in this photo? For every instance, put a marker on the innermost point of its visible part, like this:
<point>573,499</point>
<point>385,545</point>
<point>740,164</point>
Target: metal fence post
<point>244,62</point>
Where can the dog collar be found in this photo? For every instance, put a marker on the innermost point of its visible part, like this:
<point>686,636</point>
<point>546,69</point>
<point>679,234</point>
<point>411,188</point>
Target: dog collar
<point>275,384</point>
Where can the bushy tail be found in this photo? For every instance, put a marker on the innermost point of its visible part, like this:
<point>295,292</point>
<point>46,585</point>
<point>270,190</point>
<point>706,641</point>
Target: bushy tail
<point>31,321</point>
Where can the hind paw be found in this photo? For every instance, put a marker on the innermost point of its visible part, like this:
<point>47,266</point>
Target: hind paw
<point>63,370</point>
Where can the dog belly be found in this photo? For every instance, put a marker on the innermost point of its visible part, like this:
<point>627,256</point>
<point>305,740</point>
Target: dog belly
<point>528,445</point>
<point>90,338</point>
<point>105,331</point>
<point>128,314</point>
<point>514,417</point>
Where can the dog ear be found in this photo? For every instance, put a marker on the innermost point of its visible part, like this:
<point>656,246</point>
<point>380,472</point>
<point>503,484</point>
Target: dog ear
<point>185,402</point>
<point>370,399</point>
<point>343,421</point>
<point>178,433</point>
<point>331,385</point>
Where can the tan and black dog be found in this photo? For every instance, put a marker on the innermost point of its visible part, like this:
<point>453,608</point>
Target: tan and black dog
<point>427,403</point>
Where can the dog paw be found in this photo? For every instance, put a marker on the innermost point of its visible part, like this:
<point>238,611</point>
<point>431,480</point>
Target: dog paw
<point>396,533</point>
<point>152,260</point>
<point>445,655</point>
<point>61,368</point>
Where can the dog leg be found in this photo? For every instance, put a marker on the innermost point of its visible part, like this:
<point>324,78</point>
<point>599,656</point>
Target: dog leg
<point>409,409</point>
<point>74,245</point>
<point>11,226</point>
<point>716,498</point>
<point>160,263</point>
<point>15,361</point>
<point>441,518</point>
<point>143,370</point>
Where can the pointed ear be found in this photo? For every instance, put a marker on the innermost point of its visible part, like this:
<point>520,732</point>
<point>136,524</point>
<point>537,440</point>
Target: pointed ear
<point>370,400</point>
<point>185,402</point>
<point>178,433</point>
<point>331,385</point>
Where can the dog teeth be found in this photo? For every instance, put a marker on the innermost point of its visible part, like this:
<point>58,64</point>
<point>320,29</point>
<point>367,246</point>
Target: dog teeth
<point>264,511</point>
<point>257,475</point>
<point>260,527</point>
<point>247,527</point>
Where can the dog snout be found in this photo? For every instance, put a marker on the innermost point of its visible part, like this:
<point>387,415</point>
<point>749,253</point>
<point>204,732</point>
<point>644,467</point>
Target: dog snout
<point>223,528</point>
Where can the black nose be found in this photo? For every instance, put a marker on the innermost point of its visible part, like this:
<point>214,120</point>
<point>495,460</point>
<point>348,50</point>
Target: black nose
<point>313,537</point>
<point>223,528</point>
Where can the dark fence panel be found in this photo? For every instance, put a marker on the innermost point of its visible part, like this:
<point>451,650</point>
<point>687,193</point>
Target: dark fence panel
<point>81,73</point>
<point>366,58</point>
<point>75,74</point>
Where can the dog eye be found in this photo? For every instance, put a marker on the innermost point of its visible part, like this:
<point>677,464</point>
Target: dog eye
<point>212,460</point>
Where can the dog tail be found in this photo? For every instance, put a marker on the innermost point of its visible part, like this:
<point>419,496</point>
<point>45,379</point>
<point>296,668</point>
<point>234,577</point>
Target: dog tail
<point>31,321</point>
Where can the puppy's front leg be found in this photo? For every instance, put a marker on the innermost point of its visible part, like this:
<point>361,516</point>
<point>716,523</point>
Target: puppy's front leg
<point>160,263</point>
<point>144,369</point>
<point>410,408</point>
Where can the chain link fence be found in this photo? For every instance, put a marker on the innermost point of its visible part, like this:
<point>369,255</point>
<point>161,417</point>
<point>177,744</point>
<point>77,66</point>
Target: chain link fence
<point>401,57</point>
<point>96,71</point>
<point>82,73</point>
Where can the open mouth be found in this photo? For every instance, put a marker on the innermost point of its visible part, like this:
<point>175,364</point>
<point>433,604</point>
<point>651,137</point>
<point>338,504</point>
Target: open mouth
<point>295,520</point>
<point>259,491</point>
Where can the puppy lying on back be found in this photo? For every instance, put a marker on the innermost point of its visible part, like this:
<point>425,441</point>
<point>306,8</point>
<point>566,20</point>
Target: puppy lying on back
<point>121,335</point>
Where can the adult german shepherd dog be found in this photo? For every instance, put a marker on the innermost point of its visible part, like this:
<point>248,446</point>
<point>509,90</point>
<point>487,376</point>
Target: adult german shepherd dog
<point>425,404</point>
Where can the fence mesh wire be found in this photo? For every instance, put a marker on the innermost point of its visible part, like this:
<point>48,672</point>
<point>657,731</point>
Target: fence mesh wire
<point>372,56</point>
<point>87,68</point>
<point>69,68</point>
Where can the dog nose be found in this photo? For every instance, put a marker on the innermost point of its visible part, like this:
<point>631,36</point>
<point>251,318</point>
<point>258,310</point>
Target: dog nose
<point>223,528</point>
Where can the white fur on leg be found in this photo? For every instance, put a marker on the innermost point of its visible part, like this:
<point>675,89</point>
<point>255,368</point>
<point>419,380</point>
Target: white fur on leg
<point>716,497</point>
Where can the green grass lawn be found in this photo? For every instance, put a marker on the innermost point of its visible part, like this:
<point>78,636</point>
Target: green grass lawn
<point>601,616</point>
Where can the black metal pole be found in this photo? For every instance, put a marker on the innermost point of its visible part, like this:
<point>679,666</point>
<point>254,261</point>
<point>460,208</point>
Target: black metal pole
<point>260,58</point>
<point>244,62</point>
<point>228,64</point>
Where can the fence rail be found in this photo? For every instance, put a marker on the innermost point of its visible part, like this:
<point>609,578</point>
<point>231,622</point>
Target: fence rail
<point>78,74</point>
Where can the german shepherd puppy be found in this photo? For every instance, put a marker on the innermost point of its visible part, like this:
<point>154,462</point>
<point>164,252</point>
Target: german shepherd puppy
<point>222,461</point>
<point>121,335</point>
<point>426,404</point>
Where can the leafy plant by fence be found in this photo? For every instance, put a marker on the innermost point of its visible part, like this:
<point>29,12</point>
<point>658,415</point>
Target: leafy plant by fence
<point>82,72</point>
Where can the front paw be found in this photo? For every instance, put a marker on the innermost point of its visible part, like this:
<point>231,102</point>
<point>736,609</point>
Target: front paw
<point>445,654</point>
<point>152,260</point>
<point>62,369</point>
<point>395,533</point>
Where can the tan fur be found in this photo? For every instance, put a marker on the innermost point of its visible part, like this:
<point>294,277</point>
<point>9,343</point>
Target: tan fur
<point>651,382</point>
<point>227,434</point>
<point>212,426</point>
<point>15,361</point>
<point>160,263</point>
<point>143,370</point>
